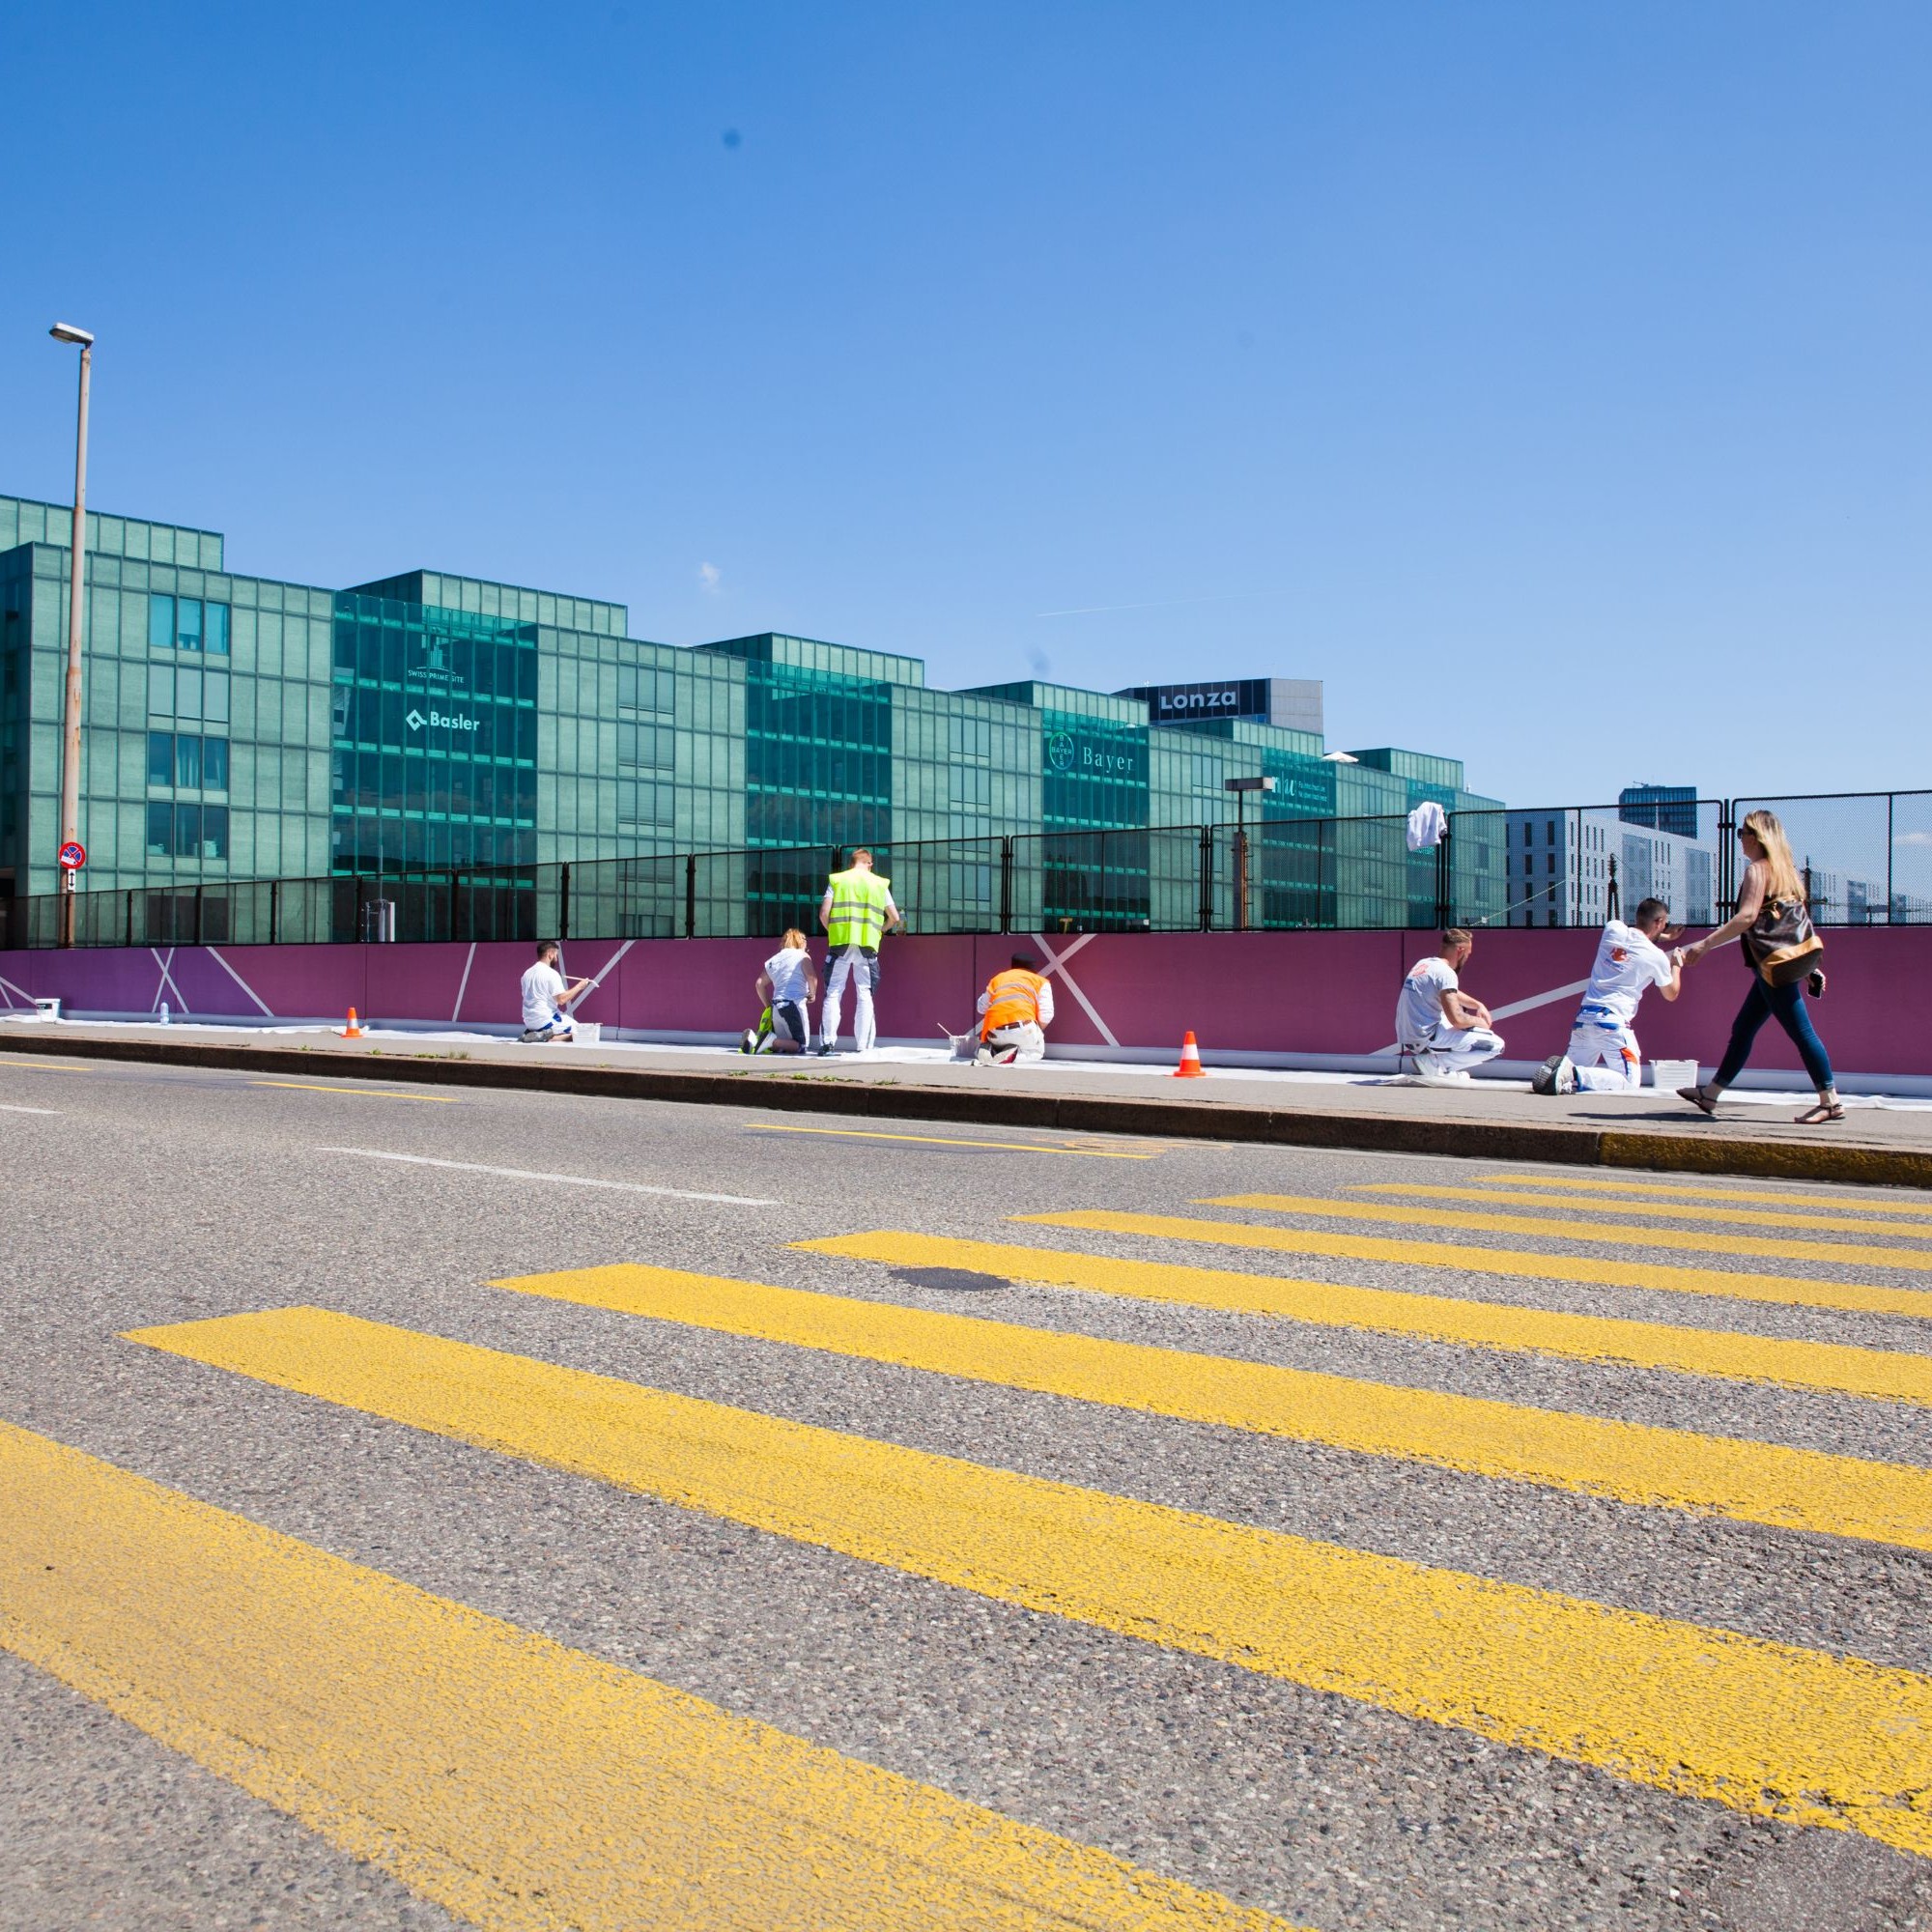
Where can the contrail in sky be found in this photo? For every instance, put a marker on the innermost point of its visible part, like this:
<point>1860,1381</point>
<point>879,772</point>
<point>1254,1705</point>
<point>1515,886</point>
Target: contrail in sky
<point>1162,604</point>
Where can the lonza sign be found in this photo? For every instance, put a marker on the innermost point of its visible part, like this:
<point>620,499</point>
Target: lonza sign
<point>1170,703</point>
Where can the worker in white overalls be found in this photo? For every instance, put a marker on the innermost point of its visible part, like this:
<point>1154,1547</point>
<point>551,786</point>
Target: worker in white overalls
<point>856,912</point>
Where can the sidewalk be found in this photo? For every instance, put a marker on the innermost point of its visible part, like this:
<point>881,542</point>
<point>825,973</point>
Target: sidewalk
<point>1876,1144</point>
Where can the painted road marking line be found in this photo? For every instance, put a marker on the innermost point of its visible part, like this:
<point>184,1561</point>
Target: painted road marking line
<point>55,1112</point>
<point>1764,1727</point>
<point>49,1066</point>
<point>1745,1246</point>
<point>1780,1199</point>
<point>1887,1374</point>
<point>947,1140</point>
<point>516,1782</point>
<point>551,1180</point>
<point>360,1092</point>
<point>1787,1291</point>
<point>1637,1211</point>
<point>1629,1462</point>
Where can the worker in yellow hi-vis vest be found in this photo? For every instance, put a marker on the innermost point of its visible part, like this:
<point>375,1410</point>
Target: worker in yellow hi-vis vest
<point>856,912</point>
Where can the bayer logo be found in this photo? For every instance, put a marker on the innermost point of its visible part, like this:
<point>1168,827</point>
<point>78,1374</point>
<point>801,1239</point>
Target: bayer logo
<point>1059,751</point>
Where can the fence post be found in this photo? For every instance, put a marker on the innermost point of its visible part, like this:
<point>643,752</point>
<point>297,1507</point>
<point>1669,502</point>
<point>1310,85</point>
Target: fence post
<point>129,939</point>
<point>563,900</point>
<point>690,895</point>
<point>1727,857</point>
<point>1445,884</point>
<point>1205,883</point>
<point>1006,882</point>
<point>274,911</point>
<point>1613,899</point>
<point>1890,799</point>
<point>198,891</point>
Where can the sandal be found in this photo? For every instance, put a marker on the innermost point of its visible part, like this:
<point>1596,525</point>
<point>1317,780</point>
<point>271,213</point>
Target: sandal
<point>1697,1099</point>
<point>1822,1115</point>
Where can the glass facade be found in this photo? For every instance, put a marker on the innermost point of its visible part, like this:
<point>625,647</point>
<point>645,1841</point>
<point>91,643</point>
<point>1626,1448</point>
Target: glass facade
<point>457,733</point>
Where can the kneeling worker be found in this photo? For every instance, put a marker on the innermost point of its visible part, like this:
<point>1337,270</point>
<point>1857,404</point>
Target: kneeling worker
<point>787,986</point>
<point>1017,1007</point>
<point>547,999</point>
<point>1439,1025</point>
<point>1629,963</point>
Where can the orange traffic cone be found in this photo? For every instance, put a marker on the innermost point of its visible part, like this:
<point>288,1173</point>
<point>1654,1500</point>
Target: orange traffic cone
<point>354,1032</point>
<point>1190,1067</point>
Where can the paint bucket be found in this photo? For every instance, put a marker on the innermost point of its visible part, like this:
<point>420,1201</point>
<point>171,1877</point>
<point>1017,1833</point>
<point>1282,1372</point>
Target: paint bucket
<point>46,1009</point>
<point>587,1033</point>
<point>1667,1075</point>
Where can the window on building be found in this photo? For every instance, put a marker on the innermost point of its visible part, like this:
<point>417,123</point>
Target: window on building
<point>187,624</point>
<point>187,831</point>
<point>187,759</point>
<point>640,688</point>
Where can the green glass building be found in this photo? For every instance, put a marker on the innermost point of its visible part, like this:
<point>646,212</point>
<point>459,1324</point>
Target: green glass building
<point>430,727</point>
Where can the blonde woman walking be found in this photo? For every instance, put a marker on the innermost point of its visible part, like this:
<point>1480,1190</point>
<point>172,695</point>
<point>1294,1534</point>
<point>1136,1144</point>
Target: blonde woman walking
<point>1782,952</point>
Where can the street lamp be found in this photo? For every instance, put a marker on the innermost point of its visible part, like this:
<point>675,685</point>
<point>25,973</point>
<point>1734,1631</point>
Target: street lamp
<point>66,331</point>
<point>1241,787</point>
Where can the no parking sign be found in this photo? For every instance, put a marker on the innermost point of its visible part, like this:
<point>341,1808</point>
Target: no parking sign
<point>72,856</point>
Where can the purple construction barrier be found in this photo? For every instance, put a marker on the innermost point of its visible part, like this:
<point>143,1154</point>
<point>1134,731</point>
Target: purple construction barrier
<point>1314,994</point>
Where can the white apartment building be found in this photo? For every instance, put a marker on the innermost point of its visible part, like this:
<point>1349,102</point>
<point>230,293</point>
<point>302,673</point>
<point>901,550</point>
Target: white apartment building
<point>1561,865</point>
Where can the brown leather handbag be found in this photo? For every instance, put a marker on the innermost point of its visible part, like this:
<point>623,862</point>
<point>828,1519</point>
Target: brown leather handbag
<point>1783,944</point>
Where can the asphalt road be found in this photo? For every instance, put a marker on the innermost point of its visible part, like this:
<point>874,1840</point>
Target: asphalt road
<point>1340,1652</point>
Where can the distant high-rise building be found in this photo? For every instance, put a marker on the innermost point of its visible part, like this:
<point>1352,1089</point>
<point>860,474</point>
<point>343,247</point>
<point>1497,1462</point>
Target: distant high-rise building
<point>1661,807</point>
<point>1560,867</point>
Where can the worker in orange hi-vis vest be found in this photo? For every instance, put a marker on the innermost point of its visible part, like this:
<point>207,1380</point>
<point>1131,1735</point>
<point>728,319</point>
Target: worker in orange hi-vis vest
<point>1017,1008</point>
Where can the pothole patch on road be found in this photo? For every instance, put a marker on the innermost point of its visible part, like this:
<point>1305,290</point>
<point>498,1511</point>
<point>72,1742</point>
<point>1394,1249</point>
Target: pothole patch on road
<point>949,1281</point>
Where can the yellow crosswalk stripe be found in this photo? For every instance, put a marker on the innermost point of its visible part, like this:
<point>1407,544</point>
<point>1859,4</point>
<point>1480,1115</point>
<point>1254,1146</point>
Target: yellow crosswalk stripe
<point>1630,1463</point>
<point>1788,1290</point>
<point>1634,1213</point>
<point>522,1785</point>
<point>1885,1373</point>
<point>1764,1727</point>
<point>1757,1248</point>
<point>1769,1197</point>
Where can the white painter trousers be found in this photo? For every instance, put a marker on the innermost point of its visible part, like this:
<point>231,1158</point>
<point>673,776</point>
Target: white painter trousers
<point>1605,1055</point>
<point>1024,1039</point>
<point>1453,1052</point>
<point>859,964</point>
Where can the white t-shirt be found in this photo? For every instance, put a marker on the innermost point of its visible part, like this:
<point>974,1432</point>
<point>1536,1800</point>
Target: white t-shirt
<point>786,969</point>
<point>1419,1010</point>
<point>542,985</point>
<point>1628,965</point>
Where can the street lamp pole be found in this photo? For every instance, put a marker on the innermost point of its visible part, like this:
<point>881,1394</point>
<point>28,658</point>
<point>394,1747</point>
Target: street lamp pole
<point>76,602</point>
<point>1241,787</point>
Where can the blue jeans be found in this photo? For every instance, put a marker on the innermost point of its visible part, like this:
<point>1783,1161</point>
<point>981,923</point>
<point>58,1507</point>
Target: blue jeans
<point>1787,1004</point>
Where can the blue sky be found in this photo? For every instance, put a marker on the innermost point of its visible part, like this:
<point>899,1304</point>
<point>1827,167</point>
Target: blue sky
<point>1549,379</point>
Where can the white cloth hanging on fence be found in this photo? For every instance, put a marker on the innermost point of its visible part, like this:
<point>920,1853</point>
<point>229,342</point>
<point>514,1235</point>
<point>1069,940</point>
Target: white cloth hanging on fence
<point>1428,825</point>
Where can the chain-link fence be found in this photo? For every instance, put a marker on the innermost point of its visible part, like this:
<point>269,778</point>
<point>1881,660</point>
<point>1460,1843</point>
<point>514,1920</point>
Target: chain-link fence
<point>1866,859</point>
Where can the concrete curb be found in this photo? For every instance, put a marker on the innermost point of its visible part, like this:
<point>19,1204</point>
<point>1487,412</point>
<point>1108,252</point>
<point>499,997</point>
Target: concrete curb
<point>1067,1113</point>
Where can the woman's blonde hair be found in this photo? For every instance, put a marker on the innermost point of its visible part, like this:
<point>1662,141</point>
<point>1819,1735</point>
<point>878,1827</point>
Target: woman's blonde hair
<point>794,939</point>
<point>1783,878</point>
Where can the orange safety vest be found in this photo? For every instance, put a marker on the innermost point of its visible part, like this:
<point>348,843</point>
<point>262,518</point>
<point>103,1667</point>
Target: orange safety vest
<point>1012,998</point>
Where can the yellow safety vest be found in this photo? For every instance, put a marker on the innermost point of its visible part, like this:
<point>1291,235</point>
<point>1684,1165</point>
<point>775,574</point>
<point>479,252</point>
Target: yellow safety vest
<point>857,916</point>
